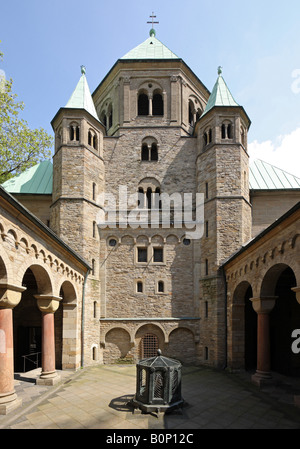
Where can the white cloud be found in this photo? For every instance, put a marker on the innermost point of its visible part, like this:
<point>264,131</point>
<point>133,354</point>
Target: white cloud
<point>284,153</point>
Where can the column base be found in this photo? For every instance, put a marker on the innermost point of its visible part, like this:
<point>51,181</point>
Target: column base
<point>262,378</point>
<point>9,402</point>
<point>48,379</point>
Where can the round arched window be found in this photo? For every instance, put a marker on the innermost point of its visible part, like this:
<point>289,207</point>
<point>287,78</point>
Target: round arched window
<point>149,346</point>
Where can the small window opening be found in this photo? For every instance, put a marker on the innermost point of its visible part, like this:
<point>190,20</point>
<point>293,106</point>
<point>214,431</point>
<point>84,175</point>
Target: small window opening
<point>139,287</point>
<point>206,190</point>
<point>206,309</point>
<point>161,287</point>
<point>154,152</point>
<point>141,197</point>
<point>143,104</point>
<point>110,120</point>
<point>229,131</point>
<point>157,255</point>
<point>191,115</point>
<point>142,254</point>
<point>149,197</point>
<point>223,132</point>
<point>206,267</point>
<point>158,202</point>
<point>157,105</point>
<point>145,153</point>
<point>206,353</point>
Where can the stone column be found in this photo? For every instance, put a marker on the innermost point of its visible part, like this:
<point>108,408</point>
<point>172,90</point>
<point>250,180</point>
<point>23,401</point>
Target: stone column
<point>10,296</point>
<point>165,105</point>
<point>126,99</point>
<point>174,98</point>
<point>48,306</point>
<point>263,307</point>
<point>150,97</point>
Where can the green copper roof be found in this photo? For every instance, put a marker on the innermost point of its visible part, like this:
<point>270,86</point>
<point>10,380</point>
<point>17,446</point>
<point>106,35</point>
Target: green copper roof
<point>262,176</point>
<point>35,180</point>
<point>265,176</point>
<point>81,97</point>
<point>151,48</point>
<point>220,96</point>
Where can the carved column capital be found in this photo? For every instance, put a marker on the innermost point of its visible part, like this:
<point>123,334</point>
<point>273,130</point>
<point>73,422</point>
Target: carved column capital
<point>48,303</point>
<point>10,295</point>
<point>263,304</point>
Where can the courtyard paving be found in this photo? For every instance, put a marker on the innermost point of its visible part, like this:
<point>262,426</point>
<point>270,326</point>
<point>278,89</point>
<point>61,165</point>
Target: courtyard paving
<point>97,398</point>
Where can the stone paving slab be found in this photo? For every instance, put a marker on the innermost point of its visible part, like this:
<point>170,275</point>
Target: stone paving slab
<point>97,398</point>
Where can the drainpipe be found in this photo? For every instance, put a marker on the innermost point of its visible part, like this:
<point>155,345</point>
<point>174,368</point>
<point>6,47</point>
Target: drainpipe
<point>82,318</point>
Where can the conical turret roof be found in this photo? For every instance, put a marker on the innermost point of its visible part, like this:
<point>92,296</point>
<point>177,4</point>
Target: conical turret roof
<point>220,95</point>
<point>81,97</point>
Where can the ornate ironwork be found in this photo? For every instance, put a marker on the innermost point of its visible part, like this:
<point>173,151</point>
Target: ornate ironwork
<point>158,385</point>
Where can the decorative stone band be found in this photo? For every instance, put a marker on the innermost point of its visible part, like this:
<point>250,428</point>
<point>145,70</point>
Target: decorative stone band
<point>48,303</point>
<point>263,304</point>
<point>10,295</point>
<point>297,291</point>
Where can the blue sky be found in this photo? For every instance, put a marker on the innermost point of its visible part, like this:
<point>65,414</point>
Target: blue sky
<point>257,43</point>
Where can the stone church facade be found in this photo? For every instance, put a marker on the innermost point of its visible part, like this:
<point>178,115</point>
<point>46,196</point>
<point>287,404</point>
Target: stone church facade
<point>123,289</point>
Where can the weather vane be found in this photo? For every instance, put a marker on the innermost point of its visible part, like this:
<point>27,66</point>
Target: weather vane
<point>152,22</point>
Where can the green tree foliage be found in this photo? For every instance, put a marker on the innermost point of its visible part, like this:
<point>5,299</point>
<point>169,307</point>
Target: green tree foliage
<point>20,146</point>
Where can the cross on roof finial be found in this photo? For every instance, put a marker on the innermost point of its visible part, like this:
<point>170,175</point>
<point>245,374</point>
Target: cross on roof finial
<point>152,31</point>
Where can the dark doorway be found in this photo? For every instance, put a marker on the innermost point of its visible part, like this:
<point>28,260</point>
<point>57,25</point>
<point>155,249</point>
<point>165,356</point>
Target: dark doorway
<point>27,325</point>
<point>29,348</point>
<point>284,318</point>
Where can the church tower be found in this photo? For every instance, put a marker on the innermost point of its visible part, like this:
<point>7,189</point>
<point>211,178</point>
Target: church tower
<point>223,177</point>
<point>78,178</point>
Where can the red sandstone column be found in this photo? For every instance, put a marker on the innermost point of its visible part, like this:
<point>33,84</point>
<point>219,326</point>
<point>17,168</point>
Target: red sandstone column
<point>7,392</point>
<point>263,349</point>
<point>48,305</point>
<point>48,344</point>
<point>10,296</point>
<point>263,307</point>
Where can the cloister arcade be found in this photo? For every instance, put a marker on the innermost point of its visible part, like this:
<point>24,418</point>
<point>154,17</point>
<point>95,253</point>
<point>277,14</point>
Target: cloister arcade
<point>263,301</point>
<point>41,283</point>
